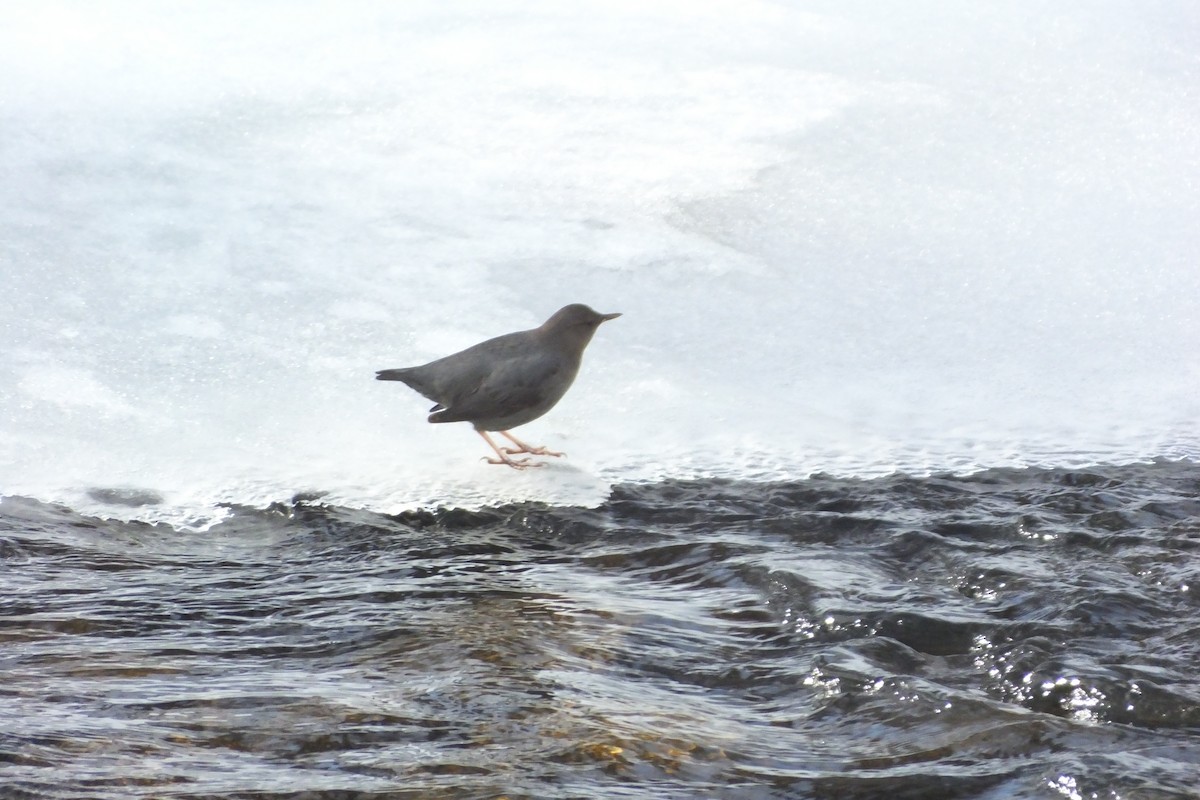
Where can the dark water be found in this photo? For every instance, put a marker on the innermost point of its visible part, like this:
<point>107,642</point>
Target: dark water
<point>1012,634</point>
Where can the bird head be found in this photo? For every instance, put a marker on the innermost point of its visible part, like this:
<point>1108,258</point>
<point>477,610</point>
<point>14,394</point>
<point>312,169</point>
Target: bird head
<point>574,325</point>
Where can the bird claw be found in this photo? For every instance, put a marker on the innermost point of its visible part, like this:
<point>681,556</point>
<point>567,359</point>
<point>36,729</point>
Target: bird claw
<point>536,451</point>
<point>523,463</point>
<point>503,453</point>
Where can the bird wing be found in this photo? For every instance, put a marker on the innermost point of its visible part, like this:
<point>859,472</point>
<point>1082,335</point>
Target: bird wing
<point>510,386</point>
<point>447,380</point>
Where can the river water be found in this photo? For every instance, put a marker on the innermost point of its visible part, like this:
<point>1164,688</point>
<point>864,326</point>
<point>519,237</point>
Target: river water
<point>1027,633</point>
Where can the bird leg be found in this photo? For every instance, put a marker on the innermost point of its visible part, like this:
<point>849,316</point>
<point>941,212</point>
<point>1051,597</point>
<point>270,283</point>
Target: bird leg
<point>525,448</point>
<point>504,459</point>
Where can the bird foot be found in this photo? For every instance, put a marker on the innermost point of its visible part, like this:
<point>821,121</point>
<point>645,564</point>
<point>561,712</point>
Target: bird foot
<point>522,447</point>
<point>523,463</point>
<point>503,453</point>
<point>532,450</point>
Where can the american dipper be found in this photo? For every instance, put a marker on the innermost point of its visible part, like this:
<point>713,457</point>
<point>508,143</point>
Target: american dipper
<point>507,381</point>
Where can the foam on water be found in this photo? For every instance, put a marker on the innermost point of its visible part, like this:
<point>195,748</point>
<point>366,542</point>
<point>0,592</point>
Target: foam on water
<point>844,239</point>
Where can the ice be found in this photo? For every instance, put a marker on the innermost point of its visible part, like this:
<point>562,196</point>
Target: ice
<point>850,238</point>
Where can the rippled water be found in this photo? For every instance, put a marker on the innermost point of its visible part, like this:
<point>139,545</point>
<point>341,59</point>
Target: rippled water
<point>1009,634</point>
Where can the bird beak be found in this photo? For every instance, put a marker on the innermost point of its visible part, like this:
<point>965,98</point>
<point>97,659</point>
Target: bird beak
<point>607,317</point>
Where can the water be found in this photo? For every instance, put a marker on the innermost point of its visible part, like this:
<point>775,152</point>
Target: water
<point>850,241</point>
<point>1018,633</point>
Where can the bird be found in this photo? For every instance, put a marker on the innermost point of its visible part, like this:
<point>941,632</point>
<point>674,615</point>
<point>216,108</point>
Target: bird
<point>507,381</point>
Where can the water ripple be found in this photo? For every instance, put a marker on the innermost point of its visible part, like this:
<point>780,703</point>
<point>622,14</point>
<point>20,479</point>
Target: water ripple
<point>1013,633</point>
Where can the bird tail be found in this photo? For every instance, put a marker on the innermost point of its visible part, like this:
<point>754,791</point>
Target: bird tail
<point>415,378</point>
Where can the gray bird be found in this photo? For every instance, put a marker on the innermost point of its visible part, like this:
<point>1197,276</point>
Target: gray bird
<point>507,381</point>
